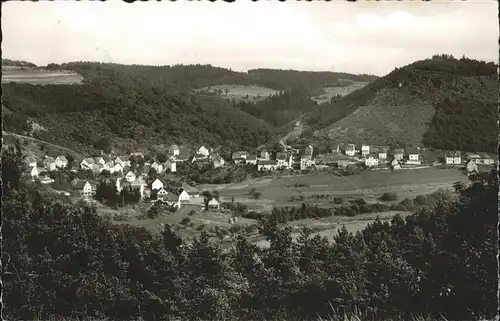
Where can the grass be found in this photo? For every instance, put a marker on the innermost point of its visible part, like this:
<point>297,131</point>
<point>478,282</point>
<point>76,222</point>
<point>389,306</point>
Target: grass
<point>40,76</point>
<point>240,92</point>
<point>330,92</point>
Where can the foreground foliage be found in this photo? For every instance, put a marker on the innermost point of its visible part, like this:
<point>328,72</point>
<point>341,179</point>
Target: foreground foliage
<point>61,260</point>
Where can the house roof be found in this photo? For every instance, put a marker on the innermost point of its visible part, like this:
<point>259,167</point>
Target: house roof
<point>30,159</point>
<point>62,158</point>
<point>267,162</point>
<point>213,201</point>
<point>79,184</point>
<point>251,157</point>
<point>239,154</point>
<point>189,188</point>
<point>411,150</point>
<point>349,147</point>
<point>49,159</point>
<point>162,191</point>
<point>171,197</point>
<point>397,151</point>
<point>157,180</point>
<point>174,147</point>
<point>130,172</point>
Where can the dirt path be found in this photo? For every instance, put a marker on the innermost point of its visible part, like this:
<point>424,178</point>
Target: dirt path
<point>42,142</point>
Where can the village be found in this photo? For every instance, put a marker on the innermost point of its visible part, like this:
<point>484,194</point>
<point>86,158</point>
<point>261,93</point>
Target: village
<point>124,170</point>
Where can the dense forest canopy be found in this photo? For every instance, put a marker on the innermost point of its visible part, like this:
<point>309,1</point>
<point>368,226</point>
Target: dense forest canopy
<point>17,63</point>
<point>64,261</point>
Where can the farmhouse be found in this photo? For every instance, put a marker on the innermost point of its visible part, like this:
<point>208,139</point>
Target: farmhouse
<point>239,156</point>
<point>117,168</point>
<point>184,197</point>
<point>130,177</point>
<point>349,149</point>
<point>217,160</point>
<point>174,150</point>
<point>306,162</point>
<point>397,154</point>
<point>158,167</point>
<point>203,151</point>
<point>365,150</point>
<point>264,154</point>
<point>471,168</point>
<point>284,160</point>
<point>161,193</point>
<point>192,191</point>
<point>49,164</point>
<point>172,200</point>
<point>486,159</point>
<point>453,158</point>
<point>157,184</point>
<point>268,165</point>
<point>382,153</point>
<point>86,163</point>
<point>473,157</point>
<point>371,160</point>
<point>413,156</point>
<point>61,162</point>
<point>171,166</point>
<point>84,188</point>
<point>213,204</point>
<point>251,159</point>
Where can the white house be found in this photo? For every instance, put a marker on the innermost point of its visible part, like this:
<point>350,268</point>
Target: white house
<point>171,166</point>
<point>86,163</point>
<point>161,193</point>
<point>371,160</point>
<point>99,160</point>
<point>382,153</point>
<point>119,184</point>
<point>174,150</point>
<point>49,164</point>
<point>264,154</point>
<point>239,155</point>
<point>192,191</point>
<point>34,172</point>
<point>453,158</point>
<point>350,149</point>
<point>214,203</point>
<point>413,156</point>
<point>284,160</point>
<point>157,184</point>
<point>365,150</point>
<point>203,151</point>
<point>218,161</point>
<point>117,168</point>
<point>309,150</point>
<point>395,164</point>
<point>130,177</point>
<point>172,200</point>
<point>84,188</point>
<point>124,161</point>
<point>61,162</point>
<point>471,167</point>
<point>30,161</point>
<point>158,167</point>
<point>184,197</point>
<point>271,165</point>
<point>306,162</point>
<point>251,159</point>
<point>486,159</point>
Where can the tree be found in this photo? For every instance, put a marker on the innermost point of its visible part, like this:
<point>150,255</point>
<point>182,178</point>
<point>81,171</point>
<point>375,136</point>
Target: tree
<point>13,167</point>
<point>162,158</point>
<point>103,144</point>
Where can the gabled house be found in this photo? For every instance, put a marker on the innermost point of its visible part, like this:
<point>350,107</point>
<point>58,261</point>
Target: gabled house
<point>284,160</point>
<point>61,161</point>
<point>192,191</point>
<point>49,163</point>
<point>453,158</point>
<point>84,188</point>
<point>174,150</point>
<point>97,168</point>
<point>371,160</point>
<point>184,197</point>
<point>130,177</point>
<point>397,153</point>
<point>217,160</point>
<point>473,157</point>
<point>157,184</point>
<point>306,162</point>
<point>117,168</point>
<point>183,156</point>
<point>336,148</point>
<point>157,166</point>
<point>350,149</point>
<point>86,163</point>
<point>264,154</point>
<point>203,151</point>
<point>34,172</point>
<point>99,160</point>
<point>269,165</point>
<point>251,159</point>
<point>486,159</point>
<point>171,166</point>
<point>161,193</point>
<point>365,150</point>
<point>213,204</point>
<point>239,156</point>
<point>382,153</point>
<point>471,168</point>
<point>413,155</point>
<point>110,166</point>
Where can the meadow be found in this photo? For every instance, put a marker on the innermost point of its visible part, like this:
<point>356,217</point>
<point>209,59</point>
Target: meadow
<point>39,76</point>
<point>240,92</point>
<point>329,92</point>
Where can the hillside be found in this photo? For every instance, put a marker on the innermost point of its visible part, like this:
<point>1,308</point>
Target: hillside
<point>442,102</point>
<point>132,111</point>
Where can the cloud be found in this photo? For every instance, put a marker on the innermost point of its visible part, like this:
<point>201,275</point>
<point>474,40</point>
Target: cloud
<point>356,37</point>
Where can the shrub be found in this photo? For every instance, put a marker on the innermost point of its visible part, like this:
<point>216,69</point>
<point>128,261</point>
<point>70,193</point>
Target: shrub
<point>387,197</point>
<point>338,200</point>
<point>185,221</point>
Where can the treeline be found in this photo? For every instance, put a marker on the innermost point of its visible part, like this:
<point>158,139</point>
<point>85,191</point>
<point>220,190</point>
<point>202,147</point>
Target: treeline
<point>281,108</point>
<point>17,63</point>
<point>134,111</point>
<point>64,261</point>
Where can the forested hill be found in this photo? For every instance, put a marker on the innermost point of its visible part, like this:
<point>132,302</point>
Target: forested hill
<point>441,102</point>
<point>17,63</point>
<point>134,109</point>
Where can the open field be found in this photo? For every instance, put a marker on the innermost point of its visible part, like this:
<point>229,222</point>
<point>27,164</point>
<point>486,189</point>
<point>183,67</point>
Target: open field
<point>370,185</point>
<point>342,91</point>
<point>39,76</point>
<point>240,92</point>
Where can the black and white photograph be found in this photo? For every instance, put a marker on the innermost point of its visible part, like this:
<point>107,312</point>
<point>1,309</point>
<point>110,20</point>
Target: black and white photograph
<point>250,160</point>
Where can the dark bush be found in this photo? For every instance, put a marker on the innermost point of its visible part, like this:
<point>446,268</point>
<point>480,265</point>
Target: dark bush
<point>387,197</point>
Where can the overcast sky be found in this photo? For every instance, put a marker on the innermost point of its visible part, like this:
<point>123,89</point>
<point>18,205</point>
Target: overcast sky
<point>356,37</point>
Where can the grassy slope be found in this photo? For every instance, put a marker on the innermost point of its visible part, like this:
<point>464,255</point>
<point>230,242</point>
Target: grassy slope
<point>385,113</point>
